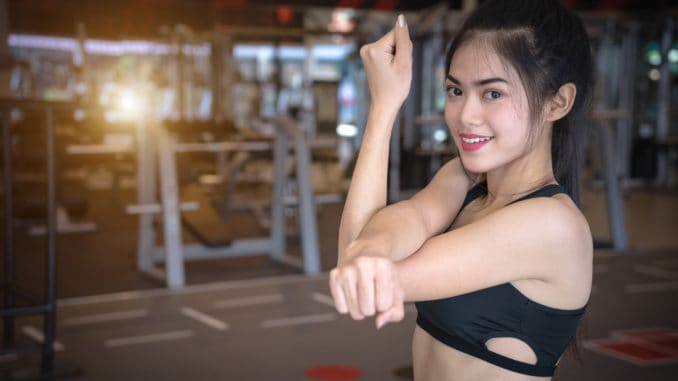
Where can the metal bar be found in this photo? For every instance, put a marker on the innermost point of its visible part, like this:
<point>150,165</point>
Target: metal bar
<point>429,58</point>
<point>180,87</point>
<point>50,315</point>
<point>308,223</point>
<point>664,104</point>
<point>9,300</point>
<point>239,248</point>
<point>327,198</point>
<point>19,311</point>
<point>171,217</point>
<point>262,146</point>
<point>98,149</point>
<point>626,101</point>
<point>216,81</point>
<point>615,206</point>
<point>8,103</point>
<point>411,134</point>
<point>278,225</point>
<point>246,248</point>
<point>223,146</point>
<point>157,208</point>
<point>145,195</point>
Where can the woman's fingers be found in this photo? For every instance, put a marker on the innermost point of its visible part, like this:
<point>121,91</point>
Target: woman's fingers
<point>350,288</point>
<point>388,64</point>
<point>384,286</point>
<point>338,293</point>
<point>366,280</point>
<point>394,44</point>
<point>379,52</point>
<point>368,285</point>
<point>403,44</point>
<point>395,313</point>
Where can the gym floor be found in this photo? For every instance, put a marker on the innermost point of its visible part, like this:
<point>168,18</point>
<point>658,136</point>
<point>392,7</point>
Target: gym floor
<point>252,319</point>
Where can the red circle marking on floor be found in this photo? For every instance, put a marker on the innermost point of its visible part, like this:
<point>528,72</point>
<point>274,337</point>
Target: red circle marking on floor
<point>333,373</point>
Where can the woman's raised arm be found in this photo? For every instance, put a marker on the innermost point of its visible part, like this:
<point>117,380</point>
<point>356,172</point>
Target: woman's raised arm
<point>388,64</point>
<point>371,235</point>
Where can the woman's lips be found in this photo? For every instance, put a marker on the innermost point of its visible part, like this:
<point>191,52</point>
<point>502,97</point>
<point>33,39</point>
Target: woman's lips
<point>471,142</point>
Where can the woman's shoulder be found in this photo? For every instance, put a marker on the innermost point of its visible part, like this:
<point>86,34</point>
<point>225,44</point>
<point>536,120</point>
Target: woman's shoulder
<point>557,221</point>
<point>557,212</point>
<point>563,239</point>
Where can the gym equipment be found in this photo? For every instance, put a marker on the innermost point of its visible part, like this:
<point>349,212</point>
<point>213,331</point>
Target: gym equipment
<point>174,252</point>
<point>48,308</point>
<point>602,122</point>
<point>29,179</point>
<point>665,174</point>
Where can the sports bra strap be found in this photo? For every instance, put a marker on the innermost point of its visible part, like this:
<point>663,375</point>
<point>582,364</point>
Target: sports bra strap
<point>547,191</point>
<point>480,189</point>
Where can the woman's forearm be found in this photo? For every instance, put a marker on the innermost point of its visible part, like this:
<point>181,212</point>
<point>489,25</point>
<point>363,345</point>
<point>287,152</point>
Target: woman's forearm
<point>367,192</point>
<point>394,232</point>
<point>398,230</point>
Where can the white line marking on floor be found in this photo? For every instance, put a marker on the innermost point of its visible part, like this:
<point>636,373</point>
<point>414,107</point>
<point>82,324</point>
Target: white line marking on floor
<point>38,336</point>
<point>323,299</point>
<point>249,301</point>
<point>205,319</point>
<point>195,289</point>
<point>101,318</point>
<point>298,320</point>
<point>656,272</point>
<point>7,357</point>
<point>154,338</point>
<point>651,287</point>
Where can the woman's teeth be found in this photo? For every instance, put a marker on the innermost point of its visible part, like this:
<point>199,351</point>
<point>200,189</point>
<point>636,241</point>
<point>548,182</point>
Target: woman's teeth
<point>476,140</point>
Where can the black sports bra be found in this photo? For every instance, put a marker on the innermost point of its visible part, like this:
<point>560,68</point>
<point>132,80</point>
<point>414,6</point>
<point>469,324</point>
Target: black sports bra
<point>466,322</point>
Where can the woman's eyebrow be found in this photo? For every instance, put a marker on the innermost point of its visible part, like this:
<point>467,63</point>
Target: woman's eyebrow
<point>481,82</point>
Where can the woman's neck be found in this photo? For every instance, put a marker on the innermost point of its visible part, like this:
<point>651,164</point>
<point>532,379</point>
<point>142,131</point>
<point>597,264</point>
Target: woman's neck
<point>520,177</point>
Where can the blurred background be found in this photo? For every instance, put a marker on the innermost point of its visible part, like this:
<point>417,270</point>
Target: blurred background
<point>173,174</point>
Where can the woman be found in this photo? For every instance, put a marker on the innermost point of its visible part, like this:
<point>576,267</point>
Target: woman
<point>494,250</point>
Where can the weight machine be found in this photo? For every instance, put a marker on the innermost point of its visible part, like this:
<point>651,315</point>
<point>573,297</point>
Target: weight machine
<point>173,252</point>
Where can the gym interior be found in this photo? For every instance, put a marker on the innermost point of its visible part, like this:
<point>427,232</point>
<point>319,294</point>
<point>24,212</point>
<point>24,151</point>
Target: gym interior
<point>174,172</point>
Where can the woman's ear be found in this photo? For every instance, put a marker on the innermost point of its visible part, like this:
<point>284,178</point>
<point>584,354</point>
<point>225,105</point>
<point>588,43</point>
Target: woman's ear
<point>561,103</point>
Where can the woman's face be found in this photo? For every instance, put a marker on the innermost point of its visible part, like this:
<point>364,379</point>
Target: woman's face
<point>486,109</point>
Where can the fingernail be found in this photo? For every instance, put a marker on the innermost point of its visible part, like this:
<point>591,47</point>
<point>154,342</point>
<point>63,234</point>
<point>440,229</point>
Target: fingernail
<point>381,324</point>
<point>401,20</point>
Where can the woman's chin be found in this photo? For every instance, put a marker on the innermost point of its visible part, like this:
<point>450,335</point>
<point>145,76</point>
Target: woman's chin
<point>474,167</point>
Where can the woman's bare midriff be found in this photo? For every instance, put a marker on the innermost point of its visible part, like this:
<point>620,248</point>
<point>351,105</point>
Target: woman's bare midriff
<point>435,361</point>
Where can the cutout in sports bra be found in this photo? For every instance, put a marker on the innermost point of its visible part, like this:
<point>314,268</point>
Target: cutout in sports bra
<point>466,322</point>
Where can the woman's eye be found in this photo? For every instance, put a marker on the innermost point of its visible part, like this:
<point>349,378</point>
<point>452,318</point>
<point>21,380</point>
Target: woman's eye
<point>492,95</point>
<point>454,91</point>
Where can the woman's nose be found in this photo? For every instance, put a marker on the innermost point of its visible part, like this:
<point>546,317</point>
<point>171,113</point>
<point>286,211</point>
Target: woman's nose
<point>470,112</point>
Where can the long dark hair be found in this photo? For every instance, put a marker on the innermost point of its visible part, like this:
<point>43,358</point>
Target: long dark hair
<point>548,47</point>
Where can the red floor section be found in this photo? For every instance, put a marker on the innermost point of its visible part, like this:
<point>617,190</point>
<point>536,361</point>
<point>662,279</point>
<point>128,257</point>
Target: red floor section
<point>651,346</point>
<point>333,373</point>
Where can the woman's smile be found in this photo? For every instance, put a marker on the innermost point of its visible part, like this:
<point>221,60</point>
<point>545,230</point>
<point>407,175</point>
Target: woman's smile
<point>470,142</point>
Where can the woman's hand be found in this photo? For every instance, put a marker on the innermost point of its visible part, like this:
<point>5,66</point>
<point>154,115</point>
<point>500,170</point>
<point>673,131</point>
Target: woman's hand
<point>367,284</point>
<point>388,64</point>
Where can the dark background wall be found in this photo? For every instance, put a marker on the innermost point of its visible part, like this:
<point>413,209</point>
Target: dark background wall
<point>142,18</point>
